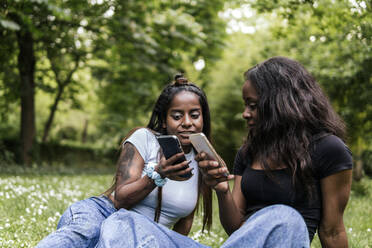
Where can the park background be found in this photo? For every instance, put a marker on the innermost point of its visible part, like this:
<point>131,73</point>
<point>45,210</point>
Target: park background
<point>77,75</point>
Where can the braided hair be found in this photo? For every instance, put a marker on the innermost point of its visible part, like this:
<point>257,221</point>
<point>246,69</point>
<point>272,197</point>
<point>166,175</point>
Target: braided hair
<point>158,118</point>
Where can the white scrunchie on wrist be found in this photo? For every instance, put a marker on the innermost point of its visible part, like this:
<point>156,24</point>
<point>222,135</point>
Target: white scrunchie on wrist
<point>151,173</point>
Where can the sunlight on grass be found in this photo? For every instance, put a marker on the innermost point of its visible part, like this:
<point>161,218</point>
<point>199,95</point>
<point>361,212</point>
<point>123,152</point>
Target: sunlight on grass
<point>31,205</point>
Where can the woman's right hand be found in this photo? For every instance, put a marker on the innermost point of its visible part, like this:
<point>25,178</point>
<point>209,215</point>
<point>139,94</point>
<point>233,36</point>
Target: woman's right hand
<point>174,172</point>
<point>214,175</point>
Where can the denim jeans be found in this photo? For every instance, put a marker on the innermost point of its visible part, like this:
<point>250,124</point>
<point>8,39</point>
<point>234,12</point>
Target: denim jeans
<point>130,229</point>
<point>80,224</point>
<point>274,226</point>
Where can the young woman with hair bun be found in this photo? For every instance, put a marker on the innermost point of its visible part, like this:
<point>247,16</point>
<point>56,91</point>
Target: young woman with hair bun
<point>148,191</point>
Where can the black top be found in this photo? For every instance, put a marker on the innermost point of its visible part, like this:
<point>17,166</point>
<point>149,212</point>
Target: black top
<point>330,155</point>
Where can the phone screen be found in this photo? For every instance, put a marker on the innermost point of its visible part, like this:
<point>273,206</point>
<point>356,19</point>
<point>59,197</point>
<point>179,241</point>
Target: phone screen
<point>170,146</point>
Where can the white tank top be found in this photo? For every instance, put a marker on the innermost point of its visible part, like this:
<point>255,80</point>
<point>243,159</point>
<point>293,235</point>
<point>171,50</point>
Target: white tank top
<point>178,197</point>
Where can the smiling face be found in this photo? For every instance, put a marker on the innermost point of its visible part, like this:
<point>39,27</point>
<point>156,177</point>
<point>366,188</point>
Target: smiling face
<point>184,117</point>
<point>250,98</point>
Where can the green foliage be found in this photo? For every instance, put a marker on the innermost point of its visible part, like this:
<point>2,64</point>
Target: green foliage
<point>225,97</point>
<point>359,189</point>
<point>6,156</point>
<point>367,162</point>
<point>67,133</point>
<point>132,48</point>
<point>148,45</point>
<point>333,39</point>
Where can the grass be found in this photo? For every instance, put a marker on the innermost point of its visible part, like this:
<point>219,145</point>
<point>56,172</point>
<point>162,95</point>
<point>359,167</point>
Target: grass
<point>32,201</point>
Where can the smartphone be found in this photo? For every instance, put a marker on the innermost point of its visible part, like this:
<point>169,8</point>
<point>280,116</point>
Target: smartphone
<point>202,144</point>
<point>170,146</point>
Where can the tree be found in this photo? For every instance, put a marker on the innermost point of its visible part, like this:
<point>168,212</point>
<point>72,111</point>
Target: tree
<point>26,67</point>
<point>67,49</point>
<point>36,25</point>
<point>148,43</point>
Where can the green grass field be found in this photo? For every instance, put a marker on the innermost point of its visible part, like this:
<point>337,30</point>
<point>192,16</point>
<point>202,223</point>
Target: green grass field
<point>31,202</point>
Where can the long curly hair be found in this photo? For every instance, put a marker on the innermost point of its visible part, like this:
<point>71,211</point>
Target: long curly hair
<point>292,110</point>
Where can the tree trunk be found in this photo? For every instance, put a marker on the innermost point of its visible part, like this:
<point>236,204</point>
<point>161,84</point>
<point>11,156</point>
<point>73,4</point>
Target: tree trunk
<point>85,132</point>
<point>61,87</point>
<point>53,110</point>
<point>26,67</point>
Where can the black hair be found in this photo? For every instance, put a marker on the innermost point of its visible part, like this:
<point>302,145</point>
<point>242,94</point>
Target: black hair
<point>159,113</point>
<point>292,109</point>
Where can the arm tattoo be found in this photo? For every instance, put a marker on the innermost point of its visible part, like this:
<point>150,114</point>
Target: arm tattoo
<point>125,162</point>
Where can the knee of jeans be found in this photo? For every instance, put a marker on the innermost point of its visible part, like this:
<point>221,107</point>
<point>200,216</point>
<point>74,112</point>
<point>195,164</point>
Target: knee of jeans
<point>286,215</point>
<point>116,224</point>
<point>121,217</point>
<point>65,219</point>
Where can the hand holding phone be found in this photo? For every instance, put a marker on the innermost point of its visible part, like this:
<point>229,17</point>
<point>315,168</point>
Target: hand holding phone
<point>201,144</point>
<point>170,146</point>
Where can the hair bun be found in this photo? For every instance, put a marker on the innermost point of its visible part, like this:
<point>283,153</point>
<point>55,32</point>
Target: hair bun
<point>179,79</point>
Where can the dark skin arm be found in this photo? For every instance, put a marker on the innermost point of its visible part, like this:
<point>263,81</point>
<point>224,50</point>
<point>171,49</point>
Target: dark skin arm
<point>335,195</point>
<point>231,204</point>
<point>130,187</point>
<point>232,207</point>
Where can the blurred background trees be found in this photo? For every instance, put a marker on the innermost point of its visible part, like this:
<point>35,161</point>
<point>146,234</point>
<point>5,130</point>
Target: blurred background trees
<point>83,73</point>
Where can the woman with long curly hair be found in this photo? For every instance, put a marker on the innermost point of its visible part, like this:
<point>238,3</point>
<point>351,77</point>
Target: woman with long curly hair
<point>294,162</point>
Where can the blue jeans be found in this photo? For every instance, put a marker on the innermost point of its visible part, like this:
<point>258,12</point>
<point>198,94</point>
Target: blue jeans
<point>274,226</point>
<point>129,229</point>
<point>80,224</point>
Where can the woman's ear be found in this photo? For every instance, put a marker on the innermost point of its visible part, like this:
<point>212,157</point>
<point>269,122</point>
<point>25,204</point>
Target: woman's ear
<point>164,125</point>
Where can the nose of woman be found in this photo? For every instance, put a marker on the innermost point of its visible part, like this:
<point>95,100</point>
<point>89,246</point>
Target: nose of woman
<point>186,122</point>
<point>247,113</point>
